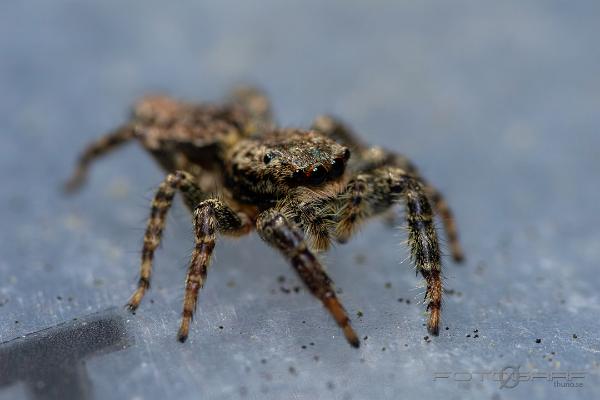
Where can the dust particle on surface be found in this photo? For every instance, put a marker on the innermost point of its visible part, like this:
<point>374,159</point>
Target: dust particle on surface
<point>293,371</point>
<point>538,340</point>
<point>574,336</point>
<point>359,314</point>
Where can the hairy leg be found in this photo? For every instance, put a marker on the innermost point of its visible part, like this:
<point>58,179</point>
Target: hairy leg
<point>211,216</point>
<point>276,230</point>
<point>442,208</point>
<point>373,193</point>
<point>368,158</point>
<point>101,147</point>
<point>257,104</point>
<point>338,131</point>
<point>161,204</point>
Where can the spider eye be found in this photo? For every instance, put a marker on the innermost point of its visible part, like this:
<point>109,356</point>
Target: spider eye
<point>267,158</point>
<point>337,168</point>
<point>317,175</point>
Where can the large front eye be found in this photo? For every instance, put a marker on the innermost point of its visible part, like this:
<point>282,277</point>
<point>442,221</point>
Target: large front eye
<point>317,175</point>
<point>337,168</point>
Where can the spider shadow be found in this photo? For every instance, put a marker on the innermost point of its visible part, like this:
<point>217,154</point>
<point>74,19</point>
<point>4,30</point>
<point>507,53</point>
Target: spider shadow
<point>51,362</point>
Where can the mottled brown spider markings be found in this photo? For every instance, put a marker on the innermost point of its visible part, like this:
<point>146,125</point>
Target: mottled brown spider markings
<point>300,189</point>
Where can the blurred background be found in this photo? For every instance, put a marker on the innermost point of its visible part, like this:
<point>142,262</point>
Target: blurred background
<point>496,102</point>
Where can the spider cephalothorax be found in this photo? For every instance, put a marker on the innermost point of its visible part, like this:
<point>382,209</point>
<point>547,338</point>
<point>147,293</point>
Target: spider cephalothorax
<point>264,168</point>
<point>300,189</point>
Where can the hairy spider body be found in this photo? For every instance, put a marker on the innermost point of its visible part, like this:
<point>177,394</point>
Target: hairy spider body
<point>300,189</point>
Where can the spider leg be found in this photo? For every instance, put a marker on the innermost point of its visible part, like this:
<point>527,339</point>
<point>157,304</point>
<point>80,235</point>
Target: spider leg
<point>161,204</point>
<point>338,131</point>
<point>373,193</point>
<point>257,104</point>
<point>276,230</point>
<point>101,147</point>
<point>368,158</point>
<point>211,216</point>
<point>442,208</point>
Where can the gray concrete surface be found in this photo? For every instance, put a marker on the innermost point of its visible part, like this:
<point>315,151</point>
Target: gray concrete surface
<point>497,102</point>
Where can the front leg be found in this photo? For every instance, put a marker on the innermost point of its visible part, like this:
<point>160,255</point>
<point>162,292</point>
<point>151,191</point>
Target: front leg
<point>276,230</point>
<point>373,193</point>
<point>211,216</point>
<point>163,199</point>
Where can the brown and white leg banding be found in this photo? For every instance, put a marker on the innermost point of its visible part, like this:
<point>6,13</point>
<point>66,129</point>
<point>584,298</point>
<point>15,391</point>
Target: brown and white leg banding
<point>276,230</point>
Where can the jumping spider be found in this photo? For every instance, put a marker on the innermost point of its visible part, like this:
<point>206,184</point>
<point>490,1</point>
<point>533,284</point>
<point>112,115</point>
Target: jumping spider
<point>299,189</point>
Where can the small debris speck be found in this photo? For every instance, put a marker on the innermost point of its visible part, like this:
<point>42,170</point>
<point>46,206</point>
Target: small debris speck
<point>304,346</point>
<point>281,279</point>
<point>383,349</point>
<point>293,371</point>
<point>538,340</point>
<point>359,314</point>
<point>468,335</point>
<point>220,326</point>
<point>263,361</point>
<point>446,328</point>
<point>476,336</point>
<point>574,336</point>
<point>312,343</point>
<point>365,338</point>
